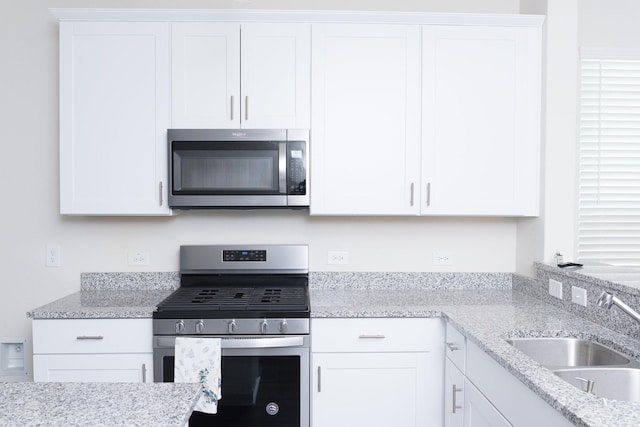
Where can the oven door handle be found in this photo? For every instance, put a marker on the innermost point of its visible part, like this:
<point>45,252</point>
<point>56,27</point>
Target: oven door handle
<point>262,342</point>
<point>242,343</point>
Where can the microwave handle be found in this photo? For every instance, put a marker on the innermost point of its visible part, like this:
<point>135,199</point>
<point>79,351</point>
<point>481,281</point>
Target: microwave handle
<point>282,166</point>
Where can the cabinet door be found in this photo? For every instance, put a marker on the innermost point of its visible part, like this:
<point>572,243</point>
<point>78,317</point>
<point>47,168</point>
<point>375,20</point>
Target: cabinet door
<point>478,411</point>
<point>481,120</point>
<point>276,76</point>
<point>365,120</point>
<point>205,75</point>
<point>374,389</point>
<point>454,388</point>
<point>128,368</point>
<point>114,112</point>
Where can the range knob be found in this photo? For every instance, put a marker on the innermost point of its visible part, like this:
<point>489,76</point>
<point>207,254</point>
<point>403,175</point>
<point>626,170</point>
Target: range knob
<point>284,326</point>
<point>180,327</point>
<point>199,327</point>
<point>263,326</point>
<point>232,326</point>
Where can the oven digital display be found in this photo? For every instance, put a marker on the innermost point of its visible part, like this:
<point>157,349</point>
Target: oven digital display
<point>244,255</point>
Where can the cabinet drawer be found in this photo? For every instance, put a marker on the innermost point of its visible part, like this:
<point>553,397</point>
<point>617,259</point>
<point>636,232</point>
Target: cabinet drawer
<point>376,335</point>
<point>456,347</point>
<point>97,368</point>
<point>92,336</point>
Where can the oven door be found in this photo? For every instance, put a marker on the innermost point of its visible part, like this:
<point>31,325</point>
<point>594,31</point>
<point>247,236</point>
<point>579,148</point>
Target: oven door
<point>265,381</point>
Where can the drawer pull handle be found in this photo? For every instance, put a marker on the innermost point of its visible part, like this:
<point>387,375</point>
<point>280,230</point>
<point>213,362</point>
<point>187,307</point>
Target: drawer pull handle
<point>319,379</point>
<point>454,402</point>
<point>90,337</point>
<point>371,336</point>
<point>144,373</point>
<point>452,346</point>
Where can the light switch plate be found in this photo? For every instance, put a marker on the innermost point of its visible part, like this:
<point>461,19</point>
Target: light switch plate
<point>579,296</point>
<point>555,288</point>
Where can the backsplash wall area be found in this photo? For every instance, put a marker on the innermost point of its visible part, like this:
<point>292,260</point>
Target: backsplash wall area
<point>623,283</point>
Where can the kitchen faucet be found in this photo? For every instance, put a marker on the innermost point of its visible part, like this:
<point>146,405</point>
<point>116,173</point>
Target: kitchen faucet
<point>606,300</point>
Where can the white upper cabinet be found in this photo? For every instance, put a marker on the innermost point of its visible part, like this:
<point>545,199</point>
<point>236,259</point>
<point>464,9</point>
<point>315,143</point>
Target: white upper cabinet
<point>481,120</point>
<point>365,119</point>
<point>114,114</point>
<point>205,75</point>
<point>474,151</point>
<point>228,75</point>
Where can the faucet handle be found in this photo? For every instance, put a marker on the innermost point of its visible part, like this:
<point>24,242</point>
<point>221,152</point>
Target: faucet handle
<point>605,300</point>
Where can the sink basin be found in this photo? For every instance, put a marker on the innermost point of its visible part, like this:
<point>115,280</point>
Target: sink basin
<point>610,383</point>
<point>567,352</point>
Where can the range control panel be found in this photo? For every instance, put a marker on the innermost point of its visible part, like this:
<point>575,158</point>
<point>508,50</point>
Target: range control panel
<point>244,255</point>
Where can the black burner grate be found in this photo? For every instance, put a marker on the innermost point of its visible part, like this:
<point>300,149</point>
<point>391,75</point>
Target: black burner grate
<point>218,298</point>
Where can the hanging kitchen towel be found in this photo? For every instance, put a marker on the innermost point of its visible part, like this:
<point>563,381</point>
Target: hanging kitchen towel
<point>198,360</point>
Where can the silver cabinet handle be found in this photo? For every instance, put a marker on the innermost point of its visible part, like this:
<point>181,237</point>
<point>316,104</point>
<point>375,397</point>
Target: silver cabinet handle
<point>452,346</point>
<point>319,379</point>
<point>144,373</point>
<point>453,394</point>
<point>411,199</point>
<point>246,108</point>
<point>428,194</point>
<point>160,188</point>
<point>90,337</point>
<point>231,108</point>
<point>371,336</point>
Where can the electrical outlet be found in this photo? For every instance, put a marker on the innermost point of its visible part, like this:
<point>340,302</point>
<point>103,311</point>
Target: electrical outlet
<point>442,258</point>
<point>555,288</point>
<point>139,258</point>
<point>52,256</point>
<point>337,257</point>
<point>579,296</point>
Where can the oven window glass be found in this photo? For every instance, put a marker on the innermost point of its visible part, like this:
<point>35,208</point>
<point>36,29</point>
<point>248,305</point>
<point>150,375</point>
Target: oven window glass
<point>226,171</point>
<point>251,385</point>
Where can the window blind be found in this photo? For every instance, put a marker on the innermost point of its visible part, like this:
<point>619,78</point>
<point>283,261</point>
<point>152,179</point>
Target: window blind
<point>609,194</point>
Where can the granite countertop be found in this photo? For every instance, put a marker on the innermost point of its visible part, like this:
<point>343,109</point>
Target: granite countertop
<point>103,304</point>
<point>488,317</point>
<point>482,306</point>
<point>97,404</point>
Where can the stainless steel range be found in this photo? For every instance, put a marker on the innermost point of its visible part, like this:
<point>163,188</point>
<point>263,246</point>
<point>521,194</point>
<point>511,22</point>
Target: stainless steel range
<point>256,298</point>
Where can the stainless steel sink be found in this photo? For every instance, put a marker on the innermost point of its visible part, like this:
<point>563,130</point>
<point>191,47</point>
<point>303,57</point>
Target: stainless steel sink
<point>567,352</point>
<point>610,383</point>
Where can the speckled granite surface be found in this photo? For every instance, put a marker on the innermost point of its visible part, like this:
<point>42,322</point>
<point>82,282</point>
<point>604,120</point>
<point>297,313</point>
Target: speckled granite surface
<point>117,304</point>
<point>96,404</point>
<point>481,305</point>
<point>488,317</point>
<point>112,296</point>
<point>396,280</point>
<point>129,281</point>
<point>594,279</point>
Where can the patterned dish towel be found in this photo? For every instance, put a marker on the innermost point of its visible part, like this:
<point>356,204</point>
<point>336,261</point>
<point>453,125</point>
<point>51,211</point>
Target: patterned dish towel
<point>198,360</point>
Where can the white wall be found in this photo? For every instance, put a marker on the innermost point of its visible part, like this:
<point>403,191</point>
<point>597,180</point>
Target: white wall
<point>609,23</point>
<point>29,217</point>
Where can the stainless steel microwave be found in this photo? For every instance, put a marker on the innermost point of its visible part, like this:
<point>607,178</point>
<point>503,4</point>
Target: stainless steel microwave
<point>231,168</point>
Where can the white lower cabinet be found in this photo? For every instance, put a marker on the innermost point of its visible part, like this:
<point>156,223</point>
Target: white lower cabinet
<point>118,368</point>
<point>454,395</point>
<point>515,401</point>
<point>377,372</point>
<point>92,350</point>
<point>478,411</point>
<point>481,393</point>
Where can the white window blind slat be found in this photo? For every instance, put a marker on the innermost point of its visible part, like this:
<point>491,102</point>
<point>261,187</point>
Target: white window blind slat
<point>609,160</point>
